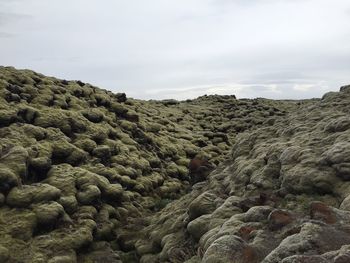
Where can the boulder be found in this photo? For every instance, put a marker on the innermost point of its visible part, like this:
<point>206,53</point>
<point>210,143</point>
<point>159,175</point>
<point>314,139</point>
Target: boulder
<point>121,97</point>
<point>311,238</point>
<point>35,193</point>
<point>93,115</point>
<point>103,152</point>
<point>199,226</point>
<point>89,194</point>
<point>118,109</point>
<point>4,254</point>
<point>304,179</point>
<point>338,125</point>
<point>49,213</point>
<point>203,204</point>
<point>321,211</point>
<point>230,248</point>
<point>16,159</point>
<point>257,213</point>
<point>113,192</point>
<point>279,218</point>
<point>69,203</point>
<point>8,179</point>
<point>345,204</point>
<point>337,153</point>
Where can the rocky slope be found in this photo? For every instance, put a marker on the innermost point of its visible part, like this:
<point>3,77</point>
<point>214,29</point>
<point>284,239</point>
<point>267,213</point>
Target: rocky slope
<point>91,176</point>
<point>283,195</point>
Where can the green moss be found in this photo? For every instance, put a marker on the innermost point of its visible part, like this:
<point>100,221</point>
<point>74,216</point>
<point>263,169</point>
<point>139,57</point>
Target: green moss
<point>161,203</point>
<point>8,179</point>
<point>102,160</point>
<point>16,160</point>
<point>132,116</point>
<point>88,194</point>
<point>4,254</point>
<point>62,151</point>
<point>153,127</point>
<point>48,213</point>
<point>129,257</point>
<point>69,203</point>
<point>86,144</point>
<point>93,115</point>
<point>102,151</point>
<point>127,125</point>
<point>17,224</point>
<point>113,192</point>
<point>118,108</point>
<point>40,164</point>
<point>35,193</point>
<point>63,177</point>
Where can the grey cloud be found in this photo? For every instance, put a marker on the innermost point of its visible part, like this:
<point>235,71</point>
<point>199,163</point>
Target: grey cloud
<point>279,76</point>
<point>163,49</point>
<point>7,18</point>
<point>6,35</point>
<point>272,91</point>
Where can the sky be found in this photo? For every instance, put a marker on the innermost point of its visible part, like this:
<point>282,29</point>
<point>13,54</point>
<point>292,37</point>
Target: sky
<point>159,49</point>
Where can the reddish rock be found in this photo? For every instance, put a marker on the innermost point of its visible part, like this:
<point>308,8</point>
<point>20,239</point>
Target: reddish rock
<point>244,232</point>
<point>248,255</point>
<point>199,168</point>
<point>321,211</point>
<point>197,162</point>
<point>279,218</point>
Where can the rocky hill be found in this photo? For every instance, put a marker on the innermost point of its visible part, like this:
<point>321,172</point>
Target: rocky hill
<point>91,176</point>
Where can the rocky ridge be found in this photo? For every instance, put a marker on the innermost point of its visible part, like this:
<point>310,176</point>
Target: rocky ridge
<point>281,196</point>
<point>91,176</point>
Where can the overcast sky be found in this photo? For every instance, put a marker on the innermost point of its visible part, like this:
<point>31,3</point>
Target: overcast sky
<point>182,49</point>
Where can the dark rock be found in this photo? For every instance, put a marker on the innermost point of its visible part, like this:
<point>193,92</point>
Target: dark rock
<point>320,211</point>
<point>345,88</point>
<point>80,83</point>
<point>121,97</point>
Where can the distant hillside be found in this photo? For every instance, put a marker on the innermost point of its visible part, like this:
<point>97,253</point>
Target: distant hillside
<point>87,175</point>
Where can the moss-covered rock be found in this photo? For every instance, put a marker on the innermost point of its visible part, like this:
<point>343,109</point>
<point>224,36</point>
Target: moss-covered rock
<point>86,144</point>
<point>15,159</point>
<point>119,109</point>
<point>64,152</point>
<point>25,195</point>
<point>103,152</point>
<point>93,115</point>
<point>88,194</point>
<point>69,203</point>
<point>49,213</point>
<point>4,254</point>
<point>8,179</point>
<point>87,175</point>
